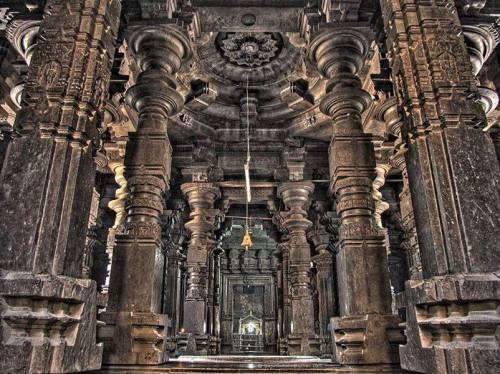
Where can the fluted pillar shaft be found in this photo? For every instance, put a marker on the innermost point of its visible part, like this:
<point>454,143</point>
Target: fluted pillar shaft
<point>136,328</point>
<point>364,331</point>
<point>201,198</point>
<point>301,338</point>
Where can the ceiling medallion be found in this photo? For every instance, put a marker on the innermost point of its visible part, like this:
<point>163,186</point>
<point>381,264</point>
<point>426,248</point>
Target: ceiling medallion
<point>249,49</point>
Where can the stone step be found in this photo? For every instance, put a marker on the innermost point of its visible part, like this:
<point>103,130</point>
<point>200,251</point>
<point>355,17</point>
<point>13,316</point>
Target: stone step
<point>249,364</point>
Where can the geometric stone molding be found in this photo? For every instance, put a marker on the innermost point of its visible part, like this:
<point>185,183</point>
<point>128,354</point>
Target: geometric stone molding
<point>374,338</point>
<point>452,319</point>
<point>47,323</point>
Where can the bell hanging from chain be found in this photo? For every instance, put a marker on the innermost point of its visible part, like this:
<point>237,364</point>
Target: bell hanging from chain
<point>247,239</point>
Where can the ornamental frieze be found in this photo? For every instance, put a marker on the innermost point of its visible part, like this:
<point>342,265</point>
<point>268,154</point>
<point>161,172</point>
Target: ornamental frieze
<point>142,230</point>
<point>359,231</point>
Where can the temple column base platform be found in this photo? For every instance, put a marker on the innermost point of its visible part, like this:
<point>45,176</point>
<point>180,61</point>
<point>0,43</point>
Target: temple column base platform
<point>47,324</point>
<point>195,344</point>
<point>366,339</point>
<point>137,338</point>
<point>452,324</point>
<point>252,364</point>
<point>299,345</point>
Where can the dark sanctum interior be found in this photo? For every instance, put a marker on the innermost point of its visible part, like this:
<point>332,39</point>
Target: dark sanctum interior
<point>222,186</point>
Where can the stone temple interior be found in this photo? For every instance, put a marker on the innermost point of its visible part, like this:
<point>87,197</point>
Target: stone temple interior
<point>222,186</point>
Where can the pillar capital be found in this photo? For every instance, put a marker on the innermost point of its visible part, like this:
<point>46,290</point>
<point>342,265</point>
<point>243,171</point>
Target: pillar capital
<point>481,41</point>
<point>339,54</point>
<point>339,51</point>
<point>23,35</point>
<point>160,52</point>
<point>201,198</point>
<point>162,47</point>
<point>155,92</point>
<point>296,196</point>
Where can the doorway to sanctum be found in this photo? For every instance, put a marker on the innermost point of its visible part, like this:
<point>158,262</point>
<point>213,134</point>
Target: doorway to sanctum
<point>248,293</point>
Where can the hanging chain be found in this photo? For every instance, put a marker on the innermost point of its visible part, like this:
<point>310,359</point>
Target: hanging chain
<point>247,223</point>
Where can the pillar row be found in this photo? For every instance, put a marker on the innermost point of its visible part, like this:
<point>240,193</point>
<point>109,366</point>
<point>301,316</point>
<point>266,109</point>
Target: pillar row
<point>365,332</point>
<point>136,324</point>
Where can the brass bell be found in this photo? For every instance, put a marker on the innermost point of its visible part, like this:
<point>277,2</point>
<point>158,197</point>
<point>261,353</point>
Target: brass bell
<point>247,240</point>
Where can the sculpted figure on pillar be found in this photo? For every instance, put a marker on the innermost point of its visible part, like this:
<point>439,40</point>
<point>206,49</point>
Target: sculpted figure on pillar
<point>48,317</point>
<point>365,332</point>
<point>136,323</point>
<point>201,197</point>
<point>453,174</point>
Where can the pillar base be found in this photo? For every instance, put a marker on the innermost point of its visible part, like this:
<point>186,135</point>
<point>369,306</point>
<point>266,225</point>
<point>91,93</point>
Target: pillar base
<point>452,324</point>
<point>195,345</point>
<point>134,338</point>
<point>47,324</point>
<point>366,339</point>
<point>325,343</point>
<point>303,345</point>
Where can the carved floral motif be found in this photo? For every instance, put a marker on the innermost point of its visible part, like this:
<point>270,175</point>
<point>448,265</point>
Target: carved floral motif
<point>250,49</point>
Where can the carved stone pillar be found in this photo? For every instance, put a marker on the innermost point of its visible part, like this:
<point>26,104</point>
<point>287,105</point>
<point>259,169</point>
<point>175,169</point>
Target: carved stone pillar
<point>323,260</point>
<point>283,249</point>
<point>47,312</point>
<point>173,239</point>
<point>201,197</point>
<point>301,337</point>
<point>365,332</point>
<point>452,314</point>
<point>136,326</point>
<point>393,118</point>
<point>481,41</point>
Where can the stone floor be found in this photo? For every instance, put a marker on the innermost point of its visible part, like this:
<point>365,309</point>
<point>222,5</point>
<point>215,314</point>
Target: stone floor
<point>249,364</point>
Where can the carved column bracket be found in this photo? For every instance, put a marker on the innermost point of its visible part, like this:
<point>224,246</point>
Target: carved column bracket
<point>362,268</point>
